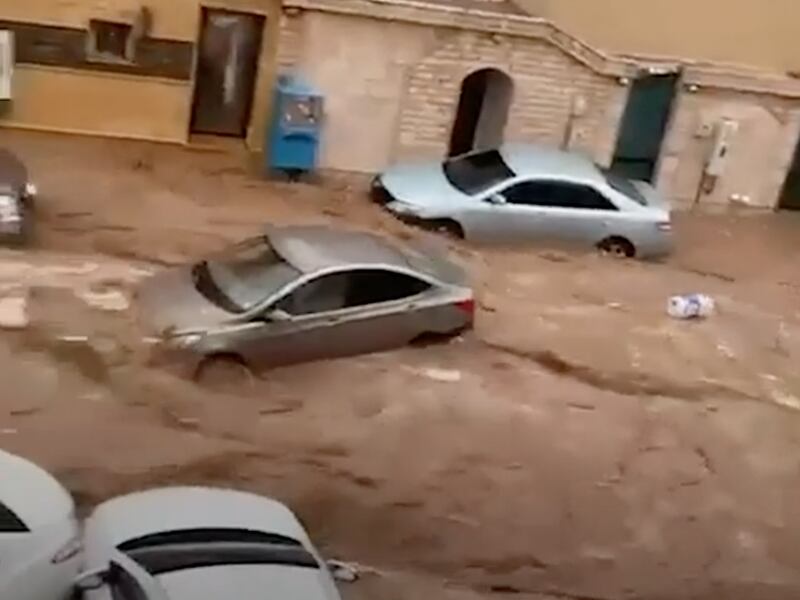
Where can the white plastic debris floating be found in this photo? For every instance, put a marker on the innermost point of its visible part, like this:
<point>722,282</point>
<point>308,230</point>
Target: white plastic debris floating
<point>690,306</point>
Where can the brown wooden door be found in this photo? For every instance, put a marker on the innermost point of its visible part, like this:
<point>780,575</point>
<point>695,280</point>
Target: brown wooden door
<point>227,60</point>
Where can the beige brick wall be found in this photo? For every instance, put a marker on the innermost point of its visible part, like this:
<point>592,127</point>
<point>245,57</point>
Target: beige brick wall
<point>391,88</point>
<point>759,155</point>
<point>547,83</point>
<point>128,106</point>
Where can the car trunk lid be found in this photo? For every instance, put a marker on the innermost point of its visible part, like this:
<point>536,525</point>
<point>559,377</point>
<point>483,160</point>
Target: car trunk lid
<point>652,197</point>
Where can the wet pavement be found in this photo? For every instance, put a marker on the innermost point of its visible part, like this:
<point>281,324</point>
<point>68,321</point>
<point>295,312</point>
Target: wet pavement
<point>579,443</point>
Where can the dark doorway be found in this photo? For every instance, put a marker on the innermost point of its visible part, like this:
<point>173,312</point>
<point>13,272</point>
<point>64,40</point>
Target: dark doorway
<point>644,125</point>
<point>482,111</point>
<point>227,61</point>
<point>790,195</point>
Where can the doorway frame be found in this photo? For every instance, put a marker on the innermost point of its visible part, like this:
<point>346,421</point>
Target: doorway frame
<point>675,103</point>
<point>488,70</point>
<point>202,9</point>
<point>792,168</point>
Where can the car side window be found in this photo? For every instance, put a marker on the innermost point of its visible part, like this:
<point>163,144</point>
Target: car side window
<point>10,522</point>
<point>531,193</point>
<point>125,587</point>
<point>351,289</point>
<point>585,197</point>
<point>554,194</point>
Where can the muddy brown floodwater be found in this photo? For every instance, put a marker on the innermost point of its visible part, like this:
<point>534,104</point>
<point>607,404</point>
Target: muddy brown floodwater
<point>578,443</point>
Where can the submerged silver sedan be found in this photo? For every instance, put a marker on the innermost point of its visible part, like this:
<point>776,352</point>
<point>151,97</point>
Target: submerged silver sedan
<point>301,293</point>
<point>527,193</point>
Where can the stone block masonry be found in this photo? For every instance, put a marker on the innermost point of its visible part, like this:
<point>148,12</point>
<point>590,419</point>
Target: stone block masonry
<point>548,85</point>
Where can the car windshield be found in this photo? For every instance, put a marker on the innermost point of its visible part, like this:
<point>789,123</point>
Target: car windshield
<point>169,551</point>
<point>476,172</point>
<point>623,185</point>
<point>238,279</point>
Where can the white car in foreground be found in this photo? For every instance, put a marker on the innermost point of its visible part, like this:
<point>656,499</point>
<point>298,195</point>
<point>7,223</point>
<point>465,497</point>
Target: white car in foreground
<point>196,543</point>
<point>40,549</point>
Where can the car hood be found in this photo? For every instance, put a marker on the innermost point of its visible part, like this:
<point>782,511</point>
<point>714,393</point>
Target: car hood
<point>169,301</point>
<point>422,184</point>
<point>249,582</point>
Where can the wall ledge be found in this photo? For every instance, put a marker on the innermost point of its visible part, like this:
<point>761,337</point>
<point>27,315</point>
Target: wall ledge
<point>719,76</point>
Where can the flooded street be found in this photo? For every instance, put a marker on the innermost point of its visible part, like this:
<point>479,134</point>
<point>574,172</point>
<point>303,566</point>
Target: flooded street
<point>578,444</point>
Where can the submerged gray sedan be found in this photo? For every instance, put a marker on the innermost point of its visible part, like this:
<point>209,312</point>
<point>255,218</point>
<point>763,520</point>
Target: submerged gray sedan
<point>300,293</point>
<point>524,193</point>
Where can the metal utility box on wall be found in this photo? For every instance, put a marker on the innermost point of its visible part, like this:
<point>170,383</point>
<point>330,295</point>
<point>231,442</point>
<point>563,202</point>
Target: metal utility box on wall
<point>294,133</point>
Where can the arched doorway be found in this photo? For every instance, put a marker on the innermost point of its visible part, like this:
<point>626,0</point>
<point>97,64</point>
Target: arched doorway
<point>482,111</point>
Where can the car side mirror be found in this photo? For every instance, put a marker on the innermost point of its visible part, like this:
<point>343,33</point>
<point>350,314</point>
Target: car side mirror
<point>91,580</point>
<point>277,315</point>
<point>496,199</point>
<point>343,572</point>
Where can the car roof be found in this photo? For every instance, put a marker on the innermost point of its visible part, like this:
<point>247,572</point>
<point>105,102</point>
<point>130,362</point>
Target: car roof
<point>312,248</point>
<point>533,160</point>
<point>181,508</point>
<point>33,494</point>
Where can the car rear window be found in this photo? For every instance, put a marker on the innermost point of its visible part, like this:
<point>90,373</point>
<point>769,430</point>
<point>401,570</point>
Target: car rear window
<point>168,559</point>
<point>10,522</point>
<point>194,536</point>
<point>624,186</point>
<point>476,172</point>
<point>169,551</point>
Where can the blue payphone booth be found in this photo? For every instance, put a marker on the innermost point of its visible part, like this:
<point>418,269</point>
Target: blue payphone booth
<point>293,138</point>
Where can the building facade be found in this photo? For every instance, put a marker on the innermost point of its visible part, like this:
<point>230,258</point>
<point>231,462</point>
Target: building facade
<point>136,69</point>
<point>406,79</point>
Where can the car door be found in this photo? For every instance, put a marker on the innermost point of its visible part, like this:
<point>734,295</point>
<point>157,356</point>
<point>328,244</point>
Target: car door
<point>341,314</point>
<point>579,214</point>
<point>519,212</point>
<point>556,212</point>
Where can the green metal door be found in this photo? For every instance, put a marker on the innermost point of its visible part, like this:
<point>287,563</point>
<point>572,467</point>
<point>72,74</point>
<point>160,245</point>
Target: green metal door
<point>644,125</point>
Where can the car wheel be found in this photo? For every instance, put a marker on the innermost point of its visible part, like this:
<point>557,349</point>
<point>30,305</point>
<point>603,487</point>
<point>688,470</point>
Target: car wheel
<point>224,373</point>
<point>617,247</point>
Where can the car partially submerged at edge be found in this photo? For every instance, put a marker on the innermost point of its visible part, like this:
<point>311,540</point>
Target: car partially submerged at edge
<point>525,193</point>
<point>40,545</point>
<point>200,543</point>
<point>301,293</point>
<point>17,194</point>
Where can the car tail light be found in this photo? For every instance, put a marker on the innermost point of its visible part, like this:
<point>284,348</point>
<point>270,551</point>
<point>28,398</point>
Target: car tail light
<point>664,226</point>
<point>69,550</point>
<point>468,306</point>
